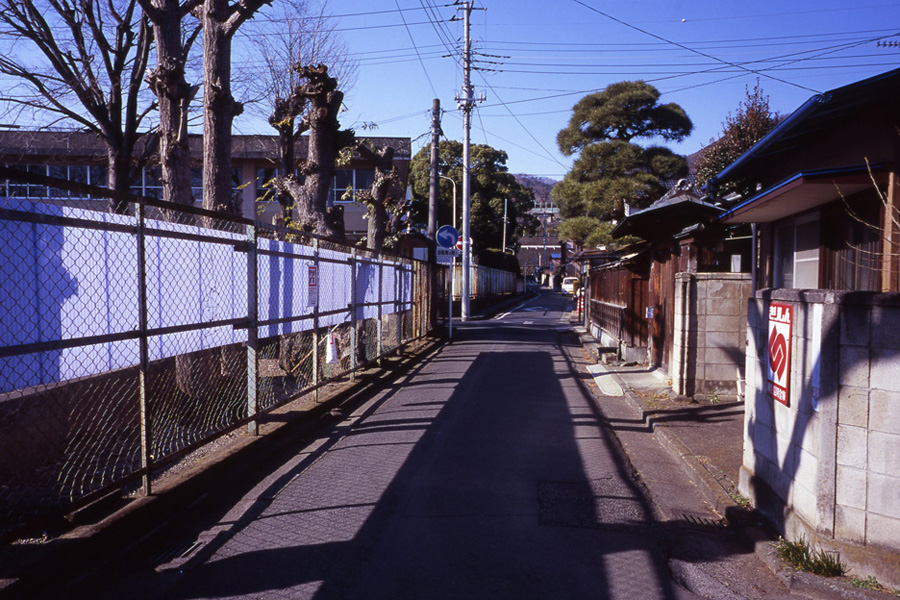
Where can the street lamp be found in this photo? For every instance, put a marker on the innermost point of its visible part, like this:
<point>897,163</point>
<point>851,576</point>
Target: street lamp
<point>452,260</point>
<point>450,179</point>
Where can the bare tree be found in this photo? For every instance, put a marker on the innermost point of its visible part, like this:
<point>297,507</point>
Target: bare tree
<point>174,94</point>
<point>92,56</point>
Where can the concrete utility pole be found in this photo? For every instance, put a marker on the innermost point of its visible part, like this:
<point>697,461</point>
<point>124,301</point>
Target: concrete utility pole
<point>433,181</point>
<point>433,199</point>
<point>466,102</point>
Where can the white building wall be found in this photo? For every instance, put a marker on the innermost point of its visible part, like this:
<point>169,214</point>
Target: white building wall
<point>827,467</point>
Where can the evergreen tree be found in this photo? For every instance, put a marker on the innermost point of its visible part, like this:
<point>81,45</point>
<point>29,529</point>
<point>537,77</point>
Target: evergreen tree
<point>611,169</point>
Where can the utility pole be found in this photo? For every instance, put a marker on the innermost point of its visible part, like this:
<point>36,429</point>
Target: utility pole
<point>466,102</point>
<point>433,181</point>
<point>433,201</point>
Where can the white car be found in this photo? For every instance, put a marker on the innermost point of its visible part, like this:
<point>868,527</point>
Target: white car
<point>568,285</point>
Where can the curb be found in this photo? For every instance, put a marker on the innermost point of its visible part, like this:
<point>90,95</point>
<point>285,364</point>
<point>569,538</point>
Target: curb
<point>797,582</point>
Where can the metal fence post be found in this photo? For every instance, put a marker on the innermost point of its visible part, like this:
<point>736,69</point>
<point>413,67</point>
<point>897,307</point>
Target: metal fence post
<point>379,328</point>
<point>144,367</point>
<point>353,336</point>
<point>398,306</point>
<point>252,332</point>
<point>315,331</point>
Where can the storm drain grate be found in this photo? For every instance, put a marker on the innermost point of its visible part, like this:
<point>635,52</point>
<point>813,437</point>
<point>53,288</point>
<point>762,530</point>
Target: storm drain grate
<point>704,522</point>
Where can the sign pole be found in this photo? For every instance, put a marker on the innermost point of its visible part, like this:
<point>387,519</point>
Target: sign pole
<point>447,238</point>
<point>450,311</point>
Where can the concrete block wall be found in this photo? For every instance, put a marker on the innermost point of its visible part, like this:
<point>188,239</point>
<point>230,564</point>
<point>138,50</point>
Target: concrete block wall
<point>827,467</point>
<point>709,333</point>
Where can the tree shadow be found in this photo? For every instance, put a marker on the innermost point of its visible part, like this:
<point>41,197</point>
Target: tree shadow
<point>780,452</point>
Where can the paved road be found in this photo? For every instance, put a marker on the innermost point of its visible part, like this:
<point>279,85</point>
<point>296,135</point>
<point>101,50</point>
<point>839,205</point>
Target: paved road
<point>485,473</point>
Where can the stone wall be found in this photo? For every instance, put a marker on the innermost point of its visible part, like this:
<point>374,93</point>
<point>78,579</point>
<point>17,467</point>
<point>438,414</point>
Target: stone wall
<point>826,466</point>
<point>710,334</point>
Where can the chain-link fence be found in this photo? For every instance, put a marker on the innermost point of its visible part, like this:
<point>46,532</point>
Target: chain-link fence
<point>127,341</point>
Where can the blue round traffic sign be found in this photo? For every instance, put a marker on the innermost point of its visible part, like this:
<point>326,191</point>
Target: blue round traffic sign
<point>447,236</point>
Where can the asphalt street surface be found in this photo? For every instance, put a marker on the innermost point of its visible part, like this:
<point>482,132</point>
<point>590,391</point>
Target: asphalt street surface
<point>489,471</point>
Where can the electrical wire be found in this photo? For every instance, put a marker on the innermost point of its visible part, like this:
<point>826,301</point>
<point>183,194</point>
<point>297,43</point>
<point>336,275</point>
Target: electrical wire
<point>680,45</point>
<point>413,40</point>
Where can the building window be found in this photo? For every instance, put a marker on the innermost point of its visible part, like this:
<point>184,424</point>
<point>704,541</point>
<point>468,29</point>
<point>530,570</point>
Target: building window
<point>347,182</point>
<point>97,174</point>
<point>197,183</point>
<point>78,174</point>
<point>58,172</point>
<point>364,179</point>
<point>797,253</point>
<point>343,181</point>
<point>264,190</point>
<point>153,182</point>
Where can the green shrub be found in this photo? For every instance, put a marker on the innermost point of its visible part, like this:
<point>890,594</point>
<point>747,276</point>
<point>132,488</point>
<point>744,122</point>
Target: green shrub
<point>803,557</point>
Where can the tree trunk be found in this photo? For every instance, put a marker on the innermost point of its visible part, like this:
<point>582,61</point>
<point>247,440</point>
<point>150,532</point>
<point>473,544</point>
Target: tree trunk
<point>376,229</point>
<point>319,167</point>
<point>286,142</point>
<point>219,108</point>
<point>174,95</point>
<point>118,178</point>
<point>377,199</point>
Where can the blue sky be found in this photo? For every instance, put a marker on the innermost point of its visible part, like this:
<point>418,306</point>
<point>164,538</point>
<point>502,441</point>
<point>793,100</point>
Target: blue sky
<point>539,58</point>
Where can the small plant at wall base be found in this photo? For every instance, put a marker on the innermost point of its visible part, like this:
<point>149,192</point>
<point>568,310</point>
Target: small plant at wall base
<point>804,557</point>
<point>869,583</point>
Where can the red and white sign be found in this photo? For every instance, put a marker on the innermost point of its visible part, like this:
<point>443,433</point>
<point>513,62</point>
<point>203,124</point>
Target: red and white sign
<point>779,352</point>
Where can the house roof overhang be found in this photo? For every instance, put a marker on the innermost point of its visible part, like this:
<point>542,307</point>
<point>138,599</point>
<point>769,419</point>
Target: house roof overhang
<point>805,191</point>
<point>664,219</point>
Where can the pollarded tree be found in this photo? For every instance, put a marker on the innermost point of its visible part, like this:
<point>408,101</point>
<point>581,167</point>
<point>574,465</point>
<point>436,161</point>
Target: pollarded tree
<point>381,204</point>
<point>293,36</point>
<point>88,69</point>
<point>316,101</point>
<point>752,121</point>
<point>611,169</point>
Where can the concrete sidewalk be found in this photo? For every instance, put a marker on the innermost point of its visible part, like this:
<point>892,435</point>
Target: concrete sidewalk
<point>707,439</point>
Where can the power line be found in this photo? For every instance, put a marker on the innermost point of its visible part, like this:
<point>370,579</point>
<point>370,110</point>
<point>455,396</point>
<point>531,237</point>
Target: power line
<point>437,24</point>
<point>694,43</point>
<point>680,45</point>
<point>419,56</point>
<point>817,11</point>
